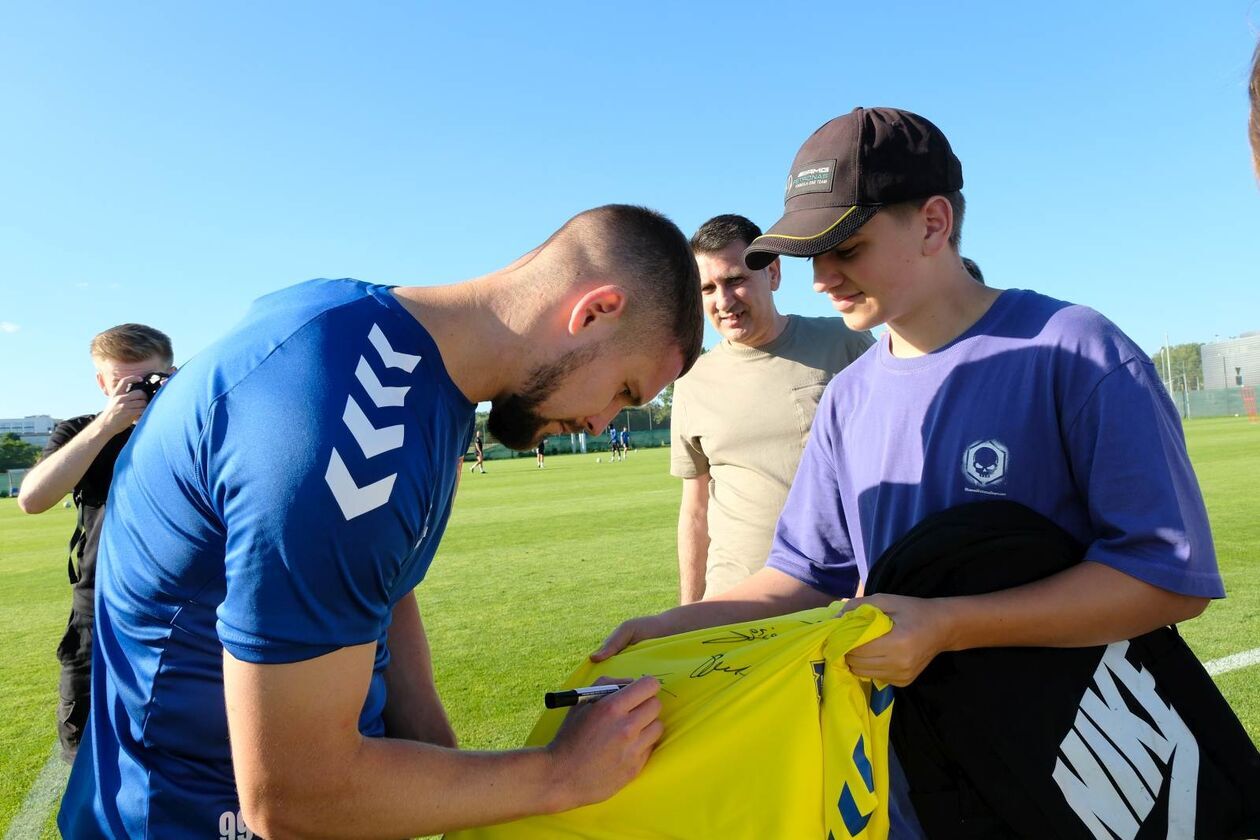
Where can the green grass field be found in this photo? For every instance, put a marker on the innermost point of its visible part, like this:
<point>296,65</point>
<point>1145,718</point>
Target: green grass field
<point>536,567</point>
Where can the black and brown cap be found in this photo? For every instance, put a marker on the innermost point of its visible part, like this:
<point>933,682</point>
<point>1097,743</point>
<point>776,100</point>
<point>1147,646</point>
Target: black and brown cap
<point>846,171</point>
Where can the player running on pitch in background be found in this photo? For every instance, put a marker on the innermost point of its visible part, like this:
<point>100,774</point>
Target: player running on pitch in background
<point>479,449</point>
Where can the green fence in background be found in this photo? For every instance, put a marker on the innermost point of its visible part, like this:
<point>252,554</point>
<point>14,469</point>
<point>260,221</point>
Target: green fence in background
<point>1221,402</point>
<point>563,445</point>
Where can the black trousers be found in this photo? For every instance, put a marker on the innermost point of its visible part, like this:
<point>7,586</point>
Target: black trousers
<point>75,655</point>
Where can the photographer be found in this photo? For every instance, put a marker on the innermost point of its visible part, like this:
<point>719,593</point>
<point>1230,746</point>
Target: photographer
<point>131,361</point>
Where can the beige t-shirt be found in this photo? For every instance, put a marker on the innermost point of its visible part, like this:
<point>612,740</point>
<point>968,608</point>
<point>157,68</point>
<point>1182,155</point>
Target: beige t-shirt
<point>742,415</point>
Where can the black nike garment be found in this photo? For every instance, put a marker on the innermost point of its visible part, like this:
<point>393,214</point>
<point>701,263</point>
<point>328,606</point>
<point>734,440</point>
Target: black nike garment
<point>1111,741</point>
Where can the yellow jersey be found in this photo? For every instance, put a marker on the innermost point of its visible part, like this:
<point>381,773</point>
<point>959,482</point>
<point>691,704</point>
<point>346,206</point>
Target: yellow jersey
<point>768,735</point>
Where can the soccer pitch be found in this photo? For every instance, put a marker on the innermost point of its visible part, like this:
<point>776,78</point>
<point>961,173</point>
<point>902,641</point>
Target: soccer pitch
<point>536,567</point>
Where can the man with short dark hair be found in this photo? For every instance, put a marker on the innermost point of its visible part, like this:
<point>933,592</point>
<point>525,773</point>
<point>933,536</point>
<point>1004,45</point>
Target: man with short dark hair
<point>742,415</point>
<point>975,393</point>
<point>79,459</point>
<point>260,644</point>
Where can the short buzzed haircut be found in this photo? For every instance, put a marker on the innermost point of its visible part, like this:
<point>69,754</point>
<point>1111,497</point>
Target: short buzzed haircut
<point>720,232</point>
<point>132,343</point>
<point>648,253</point>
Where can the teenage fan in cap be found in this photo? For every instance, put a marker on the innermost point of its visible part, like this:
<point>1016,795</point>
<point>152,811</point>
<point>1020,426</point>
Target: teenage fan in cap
<point>972,393</point>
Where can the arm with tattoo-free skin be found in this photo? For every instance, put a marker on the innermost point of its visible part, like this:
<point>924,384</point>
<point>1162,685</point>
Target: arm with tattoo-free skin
<point>1088,604</point>
<point>303,769</point>
<point>413,709</point>
<point>693,538</point>
<point>767,593</point>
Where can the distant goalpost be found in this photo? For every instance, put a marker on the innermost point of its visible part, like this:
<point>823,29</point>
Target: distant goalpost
<point>10,481</point>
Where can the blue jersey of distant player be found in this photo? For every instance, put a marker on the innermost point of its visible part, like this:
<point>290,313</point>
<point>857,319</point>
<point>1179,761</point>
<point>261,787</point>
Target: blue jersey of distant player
<point>285,489</point>
<point>612,435</point>
<point>625,437</point>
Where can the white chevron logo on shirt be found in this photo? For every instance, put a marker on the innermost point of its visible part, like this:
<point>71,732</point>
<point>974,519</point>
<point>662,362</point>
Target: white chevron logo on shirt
<point>391,357</point>
<point>371,440</point>
<point>382,395</point>
<point>351,498</point>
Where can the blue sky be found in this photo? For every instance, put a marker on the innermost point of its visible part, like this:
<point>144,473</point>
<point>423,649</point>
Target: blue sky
<point>168,163</point>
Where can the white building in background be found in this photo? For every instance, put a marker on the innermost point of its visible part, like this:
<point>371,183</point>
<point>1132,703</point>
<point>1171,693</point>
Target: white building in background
<point>1232,362</point>
<point>34,429</point>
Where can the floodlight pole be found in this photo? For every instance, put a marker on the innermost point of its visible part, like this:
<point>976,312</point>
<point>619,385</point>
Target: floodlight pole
<point>1168,363</point>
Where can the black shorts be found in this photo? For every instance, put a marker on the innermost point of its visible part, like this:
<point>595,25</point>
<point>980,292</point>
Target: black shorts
<point>75,655</point>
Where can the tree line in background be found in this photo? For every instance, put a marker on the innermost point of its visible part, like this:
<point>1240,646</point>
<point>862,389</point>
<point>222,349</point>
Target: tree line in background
<point>1183,362</point>
<point>16,454</point>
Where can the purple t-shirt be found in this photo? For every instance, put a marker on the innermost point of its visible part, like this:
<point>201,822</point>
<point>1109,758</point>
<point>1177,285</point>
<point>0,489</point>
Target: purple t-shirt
<point>1041,402</point>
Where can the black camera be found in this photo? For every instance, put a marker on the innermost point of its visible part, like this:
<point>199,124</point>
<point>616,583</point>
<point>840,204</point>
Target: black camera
<point>149,383</point>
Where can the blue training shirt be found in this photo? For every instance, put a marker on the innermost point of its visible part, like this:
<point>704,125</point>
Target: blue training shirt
<point>286,488</point>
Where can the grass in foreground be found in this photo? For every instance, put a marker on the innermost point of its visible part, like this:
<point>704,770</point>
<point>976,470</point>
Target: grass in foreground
<point>536,567</point>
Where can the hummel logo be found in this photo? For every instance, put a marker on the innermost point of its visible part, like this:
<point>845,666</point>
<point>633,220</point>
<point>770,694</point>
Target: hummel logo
<point>373,441</point>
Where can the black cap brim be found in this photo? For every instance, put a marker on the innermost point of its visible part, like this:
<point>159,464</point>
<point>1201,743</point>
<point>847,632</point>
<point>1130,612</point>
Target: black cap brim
<point>806,233</point>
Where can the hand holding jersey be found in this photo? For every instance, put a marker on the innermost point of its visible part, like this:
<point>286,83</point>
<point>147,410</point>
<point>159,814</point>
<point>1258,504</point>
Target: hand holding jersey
<point>1107,604</point>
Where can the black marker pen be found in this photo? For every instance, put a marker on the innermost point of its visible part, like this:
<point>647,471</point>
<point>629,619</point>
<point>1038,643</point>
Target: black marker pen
<point>578,696</point>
